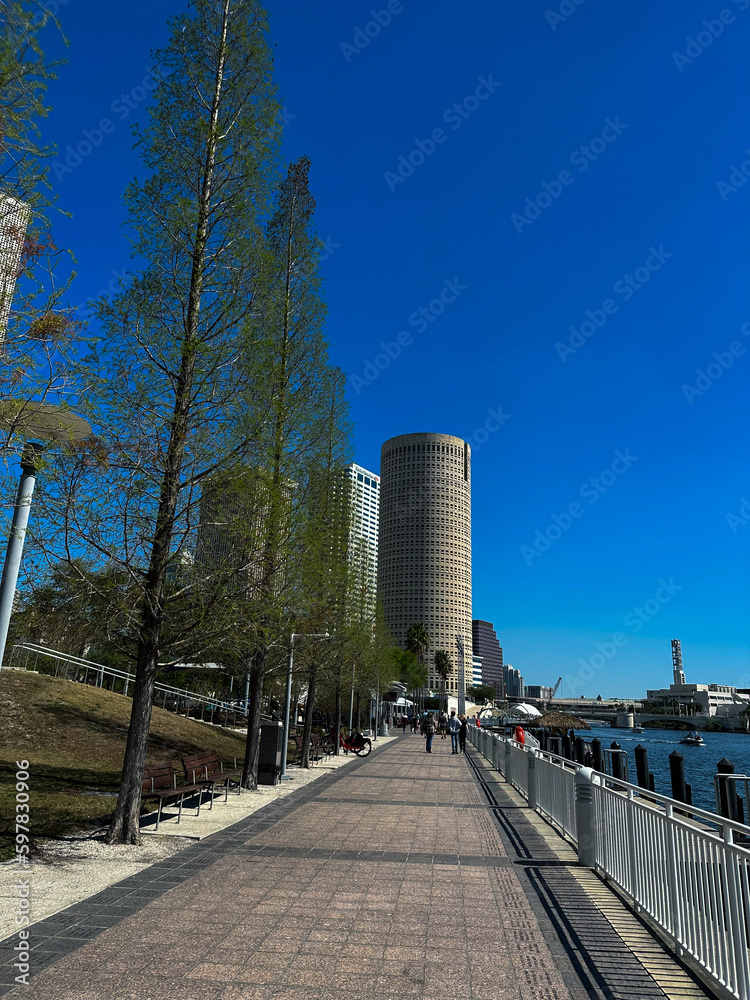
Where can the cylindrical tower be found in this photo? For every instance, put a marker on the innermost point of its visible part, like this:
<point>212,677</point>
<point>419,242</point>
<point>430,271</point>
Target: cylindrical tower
<point>424,545</point>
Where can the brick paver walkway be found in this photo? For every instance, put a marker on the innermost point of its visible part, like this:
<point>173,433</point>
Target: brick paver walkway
<point>404,876</point>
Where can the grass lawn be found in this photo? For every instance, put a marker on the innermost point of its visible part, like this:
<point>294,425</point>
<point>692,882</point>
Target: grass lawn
<point>74,736</point>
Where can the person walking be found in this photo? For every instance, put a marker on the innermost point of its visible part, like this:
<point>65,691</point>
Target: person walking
<point>462,733</point>
<point>454,726</point>
<point>443,725</point>
<point>428,730</point>
<point>404,721</point>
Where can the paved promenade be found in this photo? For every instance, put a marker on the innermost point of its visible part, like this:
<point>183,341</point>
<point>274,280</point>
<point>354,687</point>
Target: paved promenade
<point>404,875</point>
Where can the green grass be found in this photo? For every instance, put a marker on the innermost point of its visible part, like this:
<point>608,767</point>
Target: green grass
<point>74,739</point>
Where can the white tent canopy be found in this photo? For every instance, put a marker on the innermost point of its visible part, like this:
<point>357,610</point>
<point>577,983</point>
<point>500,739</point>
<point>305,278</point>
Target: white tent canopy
<point>525,711</point>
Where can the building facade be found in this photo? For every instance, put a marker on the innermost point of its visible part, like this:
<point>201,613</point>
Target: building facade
<point>514,685</point>
<point>486,645</point>
<point>14,218</point>
<point>363,538</point>
<point>476,670</point>
<point>424,550</point>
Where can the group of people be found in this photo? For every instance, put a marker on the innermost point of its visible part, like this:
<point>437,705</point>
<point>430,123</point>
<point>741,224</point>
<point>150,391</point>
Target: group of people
<point>428,725</point>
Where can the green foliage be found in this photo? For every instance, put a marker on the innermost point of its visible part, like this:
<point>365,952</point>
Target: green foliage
<point>480,693</point>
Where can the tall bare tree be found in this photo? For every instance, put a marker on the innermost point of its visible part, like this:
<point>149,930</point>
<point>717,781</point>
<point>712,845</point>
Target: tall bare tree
<point>167,384</point>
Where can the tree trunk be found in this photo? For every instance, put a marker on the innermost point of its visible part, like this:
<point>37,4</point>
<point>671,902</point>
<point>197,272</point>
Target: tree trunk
<point>125,823</point>
<point>252,745</point>
<point>124,827</point>
<point>307,728</point>
<point>359,715</point>
<point>337,733</point>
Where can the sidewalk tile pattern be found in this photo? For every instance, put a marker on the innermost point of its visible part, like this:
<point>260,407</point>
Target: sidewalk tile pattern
<point>402,876</point>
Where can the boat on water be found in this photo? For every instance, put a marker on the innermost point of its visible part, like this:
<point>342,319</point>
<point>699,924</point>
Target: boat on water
<point>693,740</point>
<point>638,729</point>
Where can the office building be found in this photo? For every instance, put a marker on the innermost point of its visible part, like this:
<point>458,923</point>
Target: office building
<point>233,531</point>
<point>363,538</point>
<point>14,218</point>
<point>514,685</point>
<point>538,691</point>
<point>486,645</point>
<point>424,551</point>
<point>476,670</point>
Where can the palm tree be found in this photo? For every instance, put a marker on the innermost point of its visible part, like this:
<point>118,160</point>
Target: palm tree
<point>443,667</point>
<point>418,641</point>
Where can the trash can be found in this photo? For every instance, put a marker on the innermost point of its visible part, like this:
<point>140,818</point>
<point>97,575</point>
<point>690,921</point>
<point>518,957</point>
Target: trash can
<point>271,749</point>
<point>383,731</point>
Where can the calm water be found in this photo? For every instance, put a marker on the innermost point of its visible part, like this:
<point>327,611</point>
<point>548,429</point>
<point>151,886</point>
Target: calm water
<point>700,762</point>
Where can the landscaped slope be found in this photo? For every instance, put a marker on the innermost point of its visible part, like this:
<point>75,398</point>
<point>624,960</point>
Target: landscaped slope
<point>74,736</point>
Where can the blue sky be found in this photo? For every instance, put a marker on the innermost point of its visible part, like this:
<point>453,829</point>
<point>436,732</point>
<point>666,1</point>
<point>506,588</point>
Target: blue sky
<point>560,165</point>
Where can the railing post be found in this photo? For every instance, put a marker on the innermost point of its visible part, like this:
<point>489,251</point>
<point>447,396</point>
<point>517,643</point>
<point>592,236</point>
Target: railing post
<point>673,880</point>
<point>634,887</point>
<point>736,914</point>
<point>531,777</point>
<point>586,833</point>
<point>508,752</point>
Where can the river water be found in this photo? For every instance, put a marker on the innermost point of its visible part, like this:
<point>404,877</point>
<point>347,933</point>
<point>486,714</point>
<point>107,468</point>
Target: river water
<point>700,762</point>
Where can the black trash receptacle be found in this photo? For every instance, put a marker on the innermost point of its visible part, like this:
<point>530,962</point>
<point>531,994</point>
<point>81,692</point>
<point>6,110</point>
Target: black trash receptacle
<point>271,749</point>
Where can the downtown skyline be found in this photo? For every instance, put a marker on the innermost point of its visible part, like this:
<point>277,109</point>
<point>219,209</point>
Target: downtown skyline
<point>611,319</point>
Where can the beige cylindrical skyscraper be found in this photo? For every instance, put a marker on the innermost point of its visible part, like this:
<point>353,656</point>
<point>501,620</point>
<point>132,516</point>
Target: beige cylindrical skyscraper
<point>424,545</point>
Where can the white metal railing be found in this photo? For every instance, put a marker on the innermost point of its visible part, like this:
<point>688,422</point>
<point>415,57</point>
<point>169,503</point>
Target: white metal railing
<point>687,869</point>
<point>555,791</point>
<point>174,699</point>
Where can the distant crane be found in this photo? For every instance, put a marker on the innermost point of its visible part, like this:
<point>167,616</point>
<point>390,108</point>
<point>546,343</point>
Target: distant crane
<point>555,689</point>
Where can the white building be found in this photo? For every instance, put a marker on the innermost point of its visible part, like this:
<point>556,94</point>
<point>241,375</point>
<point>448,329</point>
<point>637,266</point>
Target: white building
<point>14,218</point>
<point>476,669</point>
<point>701,699</point>
<point>365,498</point>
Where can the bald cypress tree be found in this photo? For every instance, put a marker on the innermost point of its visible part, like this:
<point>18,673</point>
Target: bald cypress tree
<point>166,386</point>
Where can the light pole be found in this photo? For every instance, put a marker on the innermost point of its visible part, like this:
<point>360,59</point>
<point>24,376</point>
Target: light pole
<point>50,423</point>
<point>461,678</point>
<point>288,697</point>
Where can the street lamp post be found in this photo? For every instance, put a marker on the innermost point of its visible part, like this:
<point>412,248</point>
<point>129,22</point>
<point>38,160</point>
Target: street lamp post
<point>288,697</point>
<point>50,423</point>
<point>461,678</point>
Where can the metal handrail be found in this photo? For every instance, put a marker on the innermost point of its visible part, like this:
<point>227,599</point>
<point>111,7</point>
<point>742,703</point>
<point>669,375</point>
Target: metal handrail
<point>687,869</point>
<point>167,690</point>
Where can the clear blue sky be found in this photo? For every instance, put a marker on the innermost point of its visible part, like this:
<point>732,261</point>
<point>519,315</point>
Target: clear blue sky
<point>640,200</point>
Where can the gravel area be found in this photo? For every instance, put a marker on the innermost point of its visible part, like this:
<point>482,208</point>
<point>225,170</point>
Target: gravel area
<point>71,869</point>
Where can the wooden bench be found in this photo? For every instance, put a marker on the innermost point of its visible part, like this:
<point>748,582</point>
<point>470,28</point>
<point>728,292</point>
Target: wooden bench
<point>207,770</point>
<point>319,746</point>
<point>160,781</point>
